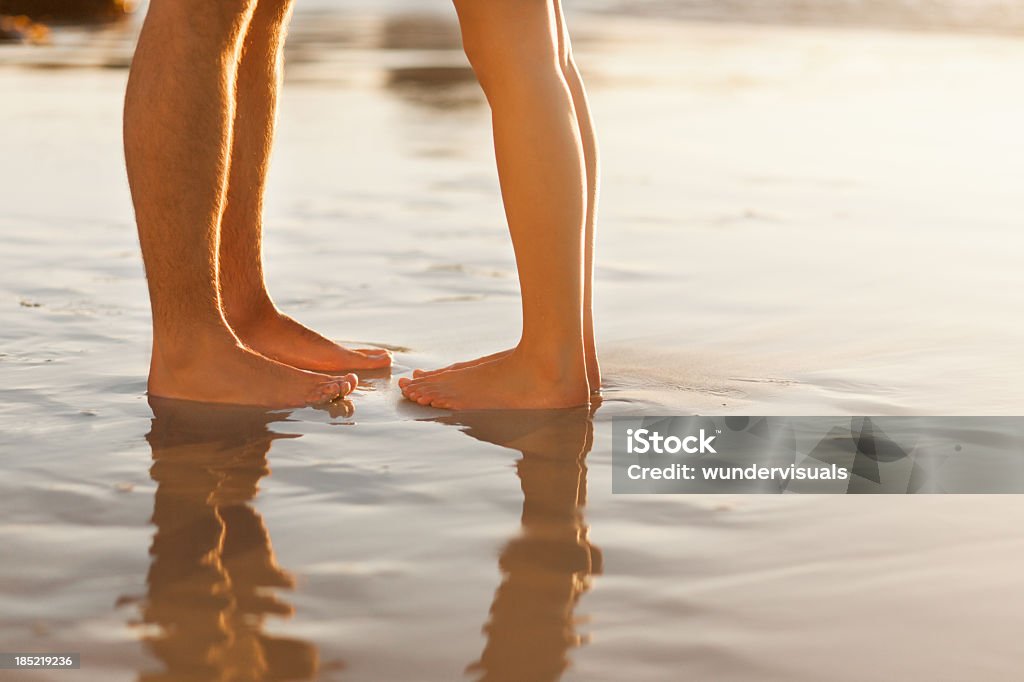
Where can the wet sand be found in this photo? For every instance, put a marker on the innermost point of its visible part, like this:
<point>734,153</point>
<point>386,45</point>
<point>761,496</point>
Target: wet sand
<point>795,221</point>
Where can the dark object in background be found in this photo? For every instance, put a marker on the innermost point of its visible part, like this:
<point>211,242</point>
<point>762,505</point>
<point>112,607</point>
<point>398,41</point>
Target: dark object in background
<point>21,29</point>
<point>67,10</point>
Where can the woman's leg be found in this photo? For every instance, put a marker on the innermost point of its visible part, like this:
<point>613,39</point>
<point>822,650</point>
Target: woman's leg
<point>247,304</point>
<point>590,153</point>
<point>178,112</point>
<point>513,46</point>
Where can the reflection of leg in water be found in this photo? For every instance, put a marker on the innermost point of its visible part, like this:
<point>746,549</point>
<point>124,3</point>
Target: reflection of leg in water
<point>547,568</point>
<point>213,561</point>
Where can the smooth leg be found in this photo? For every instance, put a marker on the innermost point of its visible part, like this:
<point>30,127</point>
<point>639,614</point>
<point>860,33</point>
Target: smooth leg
<point>514,46</point>
<point>590,151</point>
<point>178,112</point>
<point>591,158</point>
<point>248,307</point>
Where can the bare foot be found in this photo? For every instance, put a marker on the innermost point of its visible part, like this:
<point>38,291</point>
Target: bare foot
<point>220,370</point>
<point>417,373</point>
<point>507,382</point>
<point>593,368</point>
<point>279,337</point>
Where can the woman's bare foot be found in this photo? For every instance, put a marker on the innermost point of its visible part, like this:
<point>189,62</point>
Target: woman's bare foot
<point>593,368</point>
<point>510,381</point>
<point>220,370</point>
<point>418,373</point>
<point>279,337</point>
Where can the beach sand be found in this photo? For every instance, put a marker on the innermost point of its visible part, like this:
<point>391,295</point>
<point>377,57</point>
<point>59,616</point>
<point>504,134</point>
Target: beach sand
<point>801,220</point>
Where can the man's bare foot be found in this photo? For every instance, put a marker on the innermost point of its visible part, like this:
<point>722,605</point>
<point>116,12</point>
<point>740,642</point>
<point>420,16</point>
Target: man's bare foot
<point>593,368</point>
<point>279,337</point>
<point>220,370</point>
<point>510,381</point>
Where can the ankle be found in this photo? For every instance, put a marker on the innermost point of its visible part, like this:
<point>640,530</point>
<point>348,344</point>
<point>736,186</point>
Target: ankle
<point>560,363</point>
<point>186,347</point>
<point>249,313</point>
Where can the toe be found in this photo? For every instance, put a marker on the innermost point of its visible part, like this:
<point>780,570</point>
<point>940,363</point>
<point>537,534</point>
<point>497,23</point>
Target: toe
<point>325,393</point>
<point>421,373</point>
<point>417,391</point>
<point>410,391</point>
<point>377,358</point>
<point>404,382</point>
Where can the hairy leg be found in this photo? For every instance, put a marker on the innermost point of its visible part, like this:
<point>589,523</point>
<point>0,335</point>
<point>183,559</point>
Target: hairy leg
<point>513,47</point>
<point>247,304</point>
<point>178,111</point>
<point>590,153</point>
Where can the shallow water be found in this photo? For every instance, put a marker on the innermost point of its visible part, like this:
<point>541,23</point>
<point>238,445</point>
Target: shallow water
<point>794,221</point>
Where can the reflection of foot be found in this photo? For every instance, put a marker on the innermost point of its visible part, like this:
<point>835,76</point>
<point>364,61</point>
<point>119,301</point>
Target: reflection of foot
<point>593,369</point>
<point>220,370</point>
<point>281,338</point>
<point>508,382</point>
<point>565,555</point>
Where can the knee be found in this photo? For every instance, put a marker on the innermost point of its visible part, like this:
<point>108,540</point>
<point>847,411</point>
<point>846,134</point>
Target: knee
<point>507,41</point>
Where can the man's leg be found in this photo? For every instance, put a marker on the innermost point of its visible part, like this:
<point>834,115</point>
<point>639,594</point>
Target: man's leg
<point>513,48</point>
<point>178,112</point>
<point>590,152</point>
<point>247,304</point>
